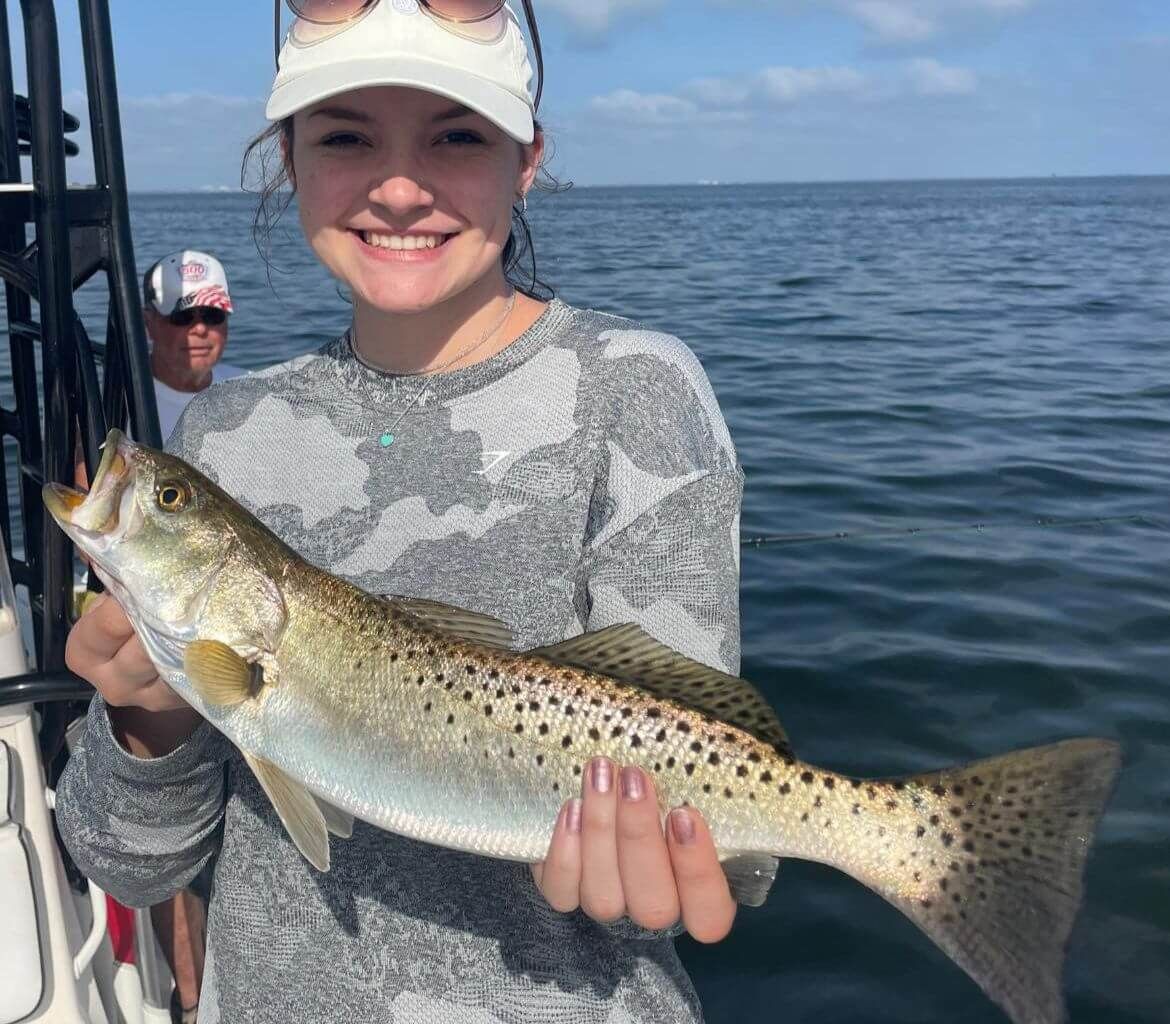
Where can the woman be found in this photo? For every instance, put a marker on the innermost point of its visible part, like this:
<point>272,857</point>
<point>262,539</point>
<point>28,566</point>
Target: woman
<point>560,469</point>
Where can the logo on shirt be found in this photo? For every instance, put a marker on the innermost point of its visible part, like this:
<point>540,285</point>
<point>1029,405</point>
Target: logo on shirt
<point>490,461</point>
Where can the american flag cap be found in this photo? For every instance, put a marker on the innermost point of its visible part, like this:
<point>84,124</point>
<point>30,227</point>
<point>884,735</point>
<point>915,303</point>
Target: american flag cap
<point>184,279</point>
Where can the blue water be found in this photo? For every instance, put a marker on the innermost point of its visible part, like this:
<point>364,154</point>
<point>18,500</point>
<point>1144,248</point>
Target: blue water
<point>891,356</point>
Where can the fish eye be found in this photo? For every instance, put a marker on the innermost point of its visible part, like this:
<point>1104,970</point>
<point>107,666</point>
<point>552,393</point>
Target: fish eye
<point>172,496</point>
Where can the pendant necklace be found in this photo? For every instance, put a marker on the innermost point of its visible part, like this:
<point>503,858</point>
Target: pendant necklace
<point>388,436</point>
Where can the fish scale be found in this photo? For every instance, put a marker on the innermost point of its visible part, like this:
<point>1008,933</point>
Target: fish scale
<point>418,717</point>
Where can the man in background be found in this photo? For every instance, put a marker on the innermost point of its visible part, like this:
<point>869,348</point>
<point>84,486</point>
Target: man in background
<point>186,305</point>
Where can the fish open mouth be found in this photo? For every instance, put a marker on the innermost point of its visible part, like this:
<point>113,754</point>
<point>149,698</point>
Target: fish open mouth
<point>89,518</point>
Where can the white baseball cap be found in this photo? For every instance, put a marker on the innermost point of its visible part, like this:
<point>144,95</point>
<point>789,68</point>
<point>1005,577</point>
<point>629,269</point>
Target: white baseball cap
<point>184,279</point>
<point>397,43</point>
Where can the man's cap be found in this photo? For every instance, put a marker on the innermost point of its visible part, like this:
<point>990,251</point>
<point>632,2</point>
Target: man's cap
<point>184,279</point>
<point>397,43</point>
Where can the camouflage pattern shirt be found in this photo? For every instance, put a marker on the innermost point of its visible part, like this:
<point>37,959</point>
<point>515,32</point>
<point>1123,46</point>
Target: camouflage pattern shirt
<point>582,477</point>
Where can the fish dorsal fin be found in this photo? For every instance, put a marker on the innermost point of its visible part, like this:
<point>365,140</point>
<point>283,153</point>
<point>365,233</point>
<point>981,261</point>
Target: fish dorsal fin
<point>459,622</point>
<point>337,821</point>
<point>750,876</point>
<point>298,811</point>
<point>629,654</point>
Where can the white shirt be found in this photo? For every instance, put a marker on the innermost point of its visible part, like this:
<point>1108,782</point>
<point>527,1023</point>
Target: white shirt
<point>171,403</point>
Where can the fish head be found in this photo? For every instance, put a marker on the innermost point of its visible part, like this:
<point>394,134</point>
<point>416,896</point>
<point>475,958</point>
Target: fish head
<point>156,531</point>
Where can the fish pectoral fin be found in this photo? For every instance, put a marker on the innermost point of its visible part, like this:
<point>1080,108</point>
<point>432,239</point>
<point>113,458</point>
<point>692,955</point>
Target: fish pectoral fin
<point>337,821</point>
<point>750,876</point>
<point>629,654</point>
<point>459,622</point>
<point>297,809</point>
<point>220,675</point>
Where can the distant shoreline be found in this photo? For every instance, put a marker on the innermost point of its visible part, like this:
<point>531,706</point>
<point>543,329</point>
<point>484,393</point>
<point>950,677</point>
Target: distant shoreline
<point>1052,179</point>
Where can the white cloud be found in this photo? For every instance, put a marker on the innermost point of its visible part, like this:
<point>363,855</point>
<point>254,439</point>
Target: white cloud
<point>931,78</point>
<point>784,88</point>
<point>593,17</point>
<point>643,108</point>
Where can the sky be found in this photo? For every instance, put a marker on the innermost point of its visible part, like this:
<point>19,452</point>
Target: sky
<point>682,91</point>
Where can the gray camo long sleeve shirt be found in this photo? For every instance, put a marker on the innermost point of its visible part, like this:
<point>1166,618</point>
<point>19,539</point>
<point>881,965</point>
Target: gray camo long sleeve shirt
<point>582,477</point>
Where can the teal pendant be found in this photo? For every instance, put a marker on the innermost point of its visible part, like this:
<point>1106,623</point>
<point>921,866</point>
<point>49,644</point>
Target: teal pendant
<point>386,440</point>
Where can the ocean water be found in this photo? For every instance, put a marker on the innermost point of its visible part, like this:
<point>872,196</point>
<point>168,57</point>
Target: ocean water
<point>970,381</point>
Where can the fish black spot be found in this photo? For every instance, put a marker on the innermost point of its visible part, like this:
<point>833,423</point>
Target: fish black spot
<point>696,746</point>
<point>899,785</point>
<point>706,787</point>
<point>712,758</point>
<point>393,657</point>
<point>670,762</point>
<point>358,664</point>
<point>567,742</point>
<point>595,701</point>
<point>785,789</point>
<point>804,817</point>
<point>539,760</point>
<point>450,719</point>
<point>947,839</point>
<point>626,712</point>
<point>926,903</point>
<point>765,776</point>
<point>934,819</point>
<point>616,731</point>
<point>530,678</point>
<point>871,792</point>
<point>494,674</point>
<point>855,783</point>
<point>806,778</point>
<point>829,783</point>
<point>534,705</point>
<point>956,812</point>
<point>976,780</point>
<point>741,771</point>
<point>660,736</point>
<point>891,805</point>
<point>594,734</point>
<point>727,792</point>
<point>957,790</point>
<point>857,808</point>
<point>487,710</point>
<point>519,728</point>
<point>467,695</point>
<point>943,884</point>
<point>543,728</point>
<point>576,769</point>
<point>511,752</point>
<point>751,795</point>
<point>920,831</point>
<point>969,846</point>
<point>556,787</point>
<point>499,694</point>
<point>754,757</point>
<point>689,769</point>
<point>635,740</point>
<point>654,712</point>
<point>568,709</point>
<point>554,700</point>
<point>683,727</point>
<point>427,706</point>
<point>519,705</point>
<point>817,802</point>
<point>940,790</point>
<point>471,670</point>
<point>440,677</point>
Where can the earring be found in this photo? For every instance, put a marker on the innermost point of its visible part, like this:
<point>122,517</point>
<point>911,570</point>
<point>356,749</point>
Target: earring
<point>523,203</point>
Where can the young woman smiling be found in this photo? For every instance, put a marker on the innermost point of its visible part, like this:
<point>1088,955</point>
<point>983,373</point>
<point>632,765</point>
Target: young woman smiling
<point>464,441</point>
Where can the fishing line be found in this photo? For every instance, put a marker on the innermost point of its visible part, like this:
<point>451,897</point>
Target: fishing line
<point>1045,522</point>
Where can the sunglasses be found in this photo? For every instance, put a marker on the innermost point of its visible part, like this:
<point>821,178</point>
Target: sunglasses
<point>208,314</point>
<point>471,19</point>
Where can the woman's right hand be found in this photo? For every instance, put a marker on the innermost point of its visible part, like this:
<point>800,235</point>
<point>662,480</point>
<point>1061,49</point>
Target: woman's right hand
<point>104,650</point>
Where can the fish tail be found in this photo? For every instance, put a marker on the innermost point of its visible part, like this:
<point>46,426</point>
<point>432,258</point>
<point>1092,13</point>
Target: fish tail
<point>999,850</point>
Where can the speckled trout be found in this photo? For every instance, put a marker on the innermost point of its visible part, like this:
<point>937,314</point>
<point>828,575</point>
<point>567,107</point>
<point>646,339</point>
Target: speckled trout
<point>419,718</point>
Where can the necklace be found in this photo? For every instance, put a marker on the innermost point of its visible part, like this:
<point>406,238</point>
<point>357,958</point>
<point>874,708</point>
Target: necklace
<point>429,373</point>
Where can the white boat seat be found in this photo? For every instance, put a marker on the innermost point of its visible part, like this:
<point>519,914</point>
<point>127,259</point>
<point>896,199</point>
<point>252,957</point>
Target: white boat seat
<point>21,974</point>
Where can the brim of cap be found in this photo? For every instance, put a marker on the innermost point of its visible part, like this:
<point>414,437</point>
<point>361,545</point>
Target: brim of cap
<point>498,105</point>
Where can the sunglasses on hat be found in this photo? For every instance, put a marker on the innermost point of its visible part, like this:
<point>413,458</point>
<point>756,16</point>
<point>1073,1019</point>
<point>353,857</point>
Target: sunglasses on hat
<point>208,314</point>
<point>472,19</point>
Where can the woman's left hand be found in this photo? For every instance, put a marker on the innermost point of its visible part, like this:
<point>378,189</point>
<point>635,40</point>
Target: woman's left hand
<point>609,857</point>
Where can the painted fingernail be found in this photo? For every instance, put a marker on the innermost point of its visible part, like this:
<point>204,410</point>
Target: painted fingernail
<point>601,774</point>
<point>633,785</point>
<point>573,816</point>
<point>682,826</point>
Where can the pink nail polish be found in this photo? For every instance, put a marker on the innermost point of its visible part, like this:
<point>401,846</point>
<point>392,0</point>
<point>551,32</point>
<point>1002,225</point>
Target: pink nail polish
<point>633,785</point>
<point>601,774</point>
<point>682,826</point>
<point>573,816</point>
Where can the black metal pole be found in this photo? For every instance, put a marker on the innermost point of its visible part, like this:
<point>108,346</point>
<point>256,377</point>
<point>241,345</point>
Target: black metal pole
<point>58,356</point>
<point>125,303</point>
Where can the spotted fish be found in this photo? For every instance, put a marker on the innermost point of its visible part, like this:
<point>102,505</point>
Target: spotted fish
<point>419,718</point>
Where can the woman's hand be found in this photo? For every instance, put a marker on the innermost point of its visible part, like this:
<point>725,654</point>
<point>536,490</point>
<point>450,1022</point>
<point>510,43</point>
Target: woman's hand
<point>609,857</point>
<point>148,717</point>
